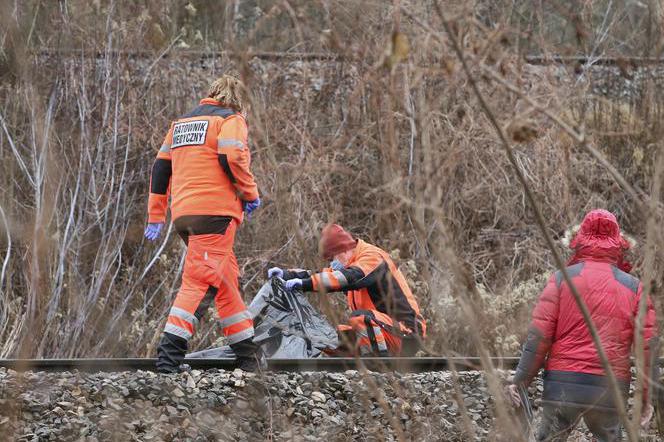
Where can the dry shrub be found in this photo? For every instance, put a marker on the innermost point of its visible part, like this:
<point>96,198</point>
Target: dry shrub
<point>398,153</point>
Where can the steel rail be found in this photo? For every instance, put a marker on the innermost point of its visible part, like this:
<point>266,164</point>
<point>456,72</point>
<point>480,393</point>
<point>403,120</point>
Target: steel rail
<point>534,59</point>
<point>314,364</point>
<point>602,61</point>
<point>412,365</point>
<point>188,53</point>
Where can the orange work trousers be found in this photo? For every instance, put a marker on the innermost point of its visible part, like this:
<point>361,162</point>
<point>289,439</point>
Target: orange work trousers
<point>211,273</point>
<point>371,337</point>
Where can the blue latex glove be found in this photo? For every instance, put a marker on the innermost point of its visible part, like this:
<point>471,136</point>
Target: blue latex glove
<point>336,265</point>
<point>153,230</point>
<point>250,206</point>
<point>293,283</point>
<point>275,271</point>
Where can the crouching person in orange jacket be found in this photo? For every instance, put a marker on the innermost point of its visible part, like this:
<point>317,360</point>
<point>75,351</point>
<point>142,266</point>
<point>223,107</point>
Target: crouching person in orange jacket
<point>204,165</point>
<point>384,311</point>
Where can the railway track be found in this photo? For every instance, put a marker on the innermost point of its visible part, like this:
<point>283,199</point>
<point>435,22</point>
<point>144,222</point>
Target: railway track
<point>406,365</point>
<point>535,59</point>
<point>317,364</point>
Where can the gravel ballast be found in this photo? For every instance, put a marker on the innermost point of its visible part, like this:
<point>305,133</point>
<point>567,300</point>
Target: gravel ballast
<point>232,405</point>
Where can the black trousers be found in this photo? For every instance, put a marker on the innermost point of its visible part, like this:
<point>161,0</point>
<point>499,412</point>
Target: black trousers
<point>558,421</point>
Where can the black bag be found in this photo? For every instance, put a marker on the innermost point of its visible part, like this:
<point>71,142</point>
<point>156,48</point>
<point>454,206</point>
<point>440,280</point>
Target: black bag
<point>286,326</point>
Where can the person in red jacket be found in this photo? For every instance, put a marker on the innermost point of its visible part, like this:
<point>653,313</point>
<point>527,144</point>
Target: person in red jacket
<point>203,164</point>
<point>575,385</point>
<point>384,311</point>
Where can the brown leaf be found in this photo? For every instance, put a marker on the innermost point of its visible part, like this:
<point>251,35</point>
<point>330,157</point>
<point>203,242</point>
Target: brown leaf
<point>399,50</point>
<point>522,131</point>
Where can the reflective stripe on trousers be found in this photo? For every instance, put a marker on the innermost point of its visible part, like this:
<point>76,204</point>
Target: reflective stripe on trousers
<point>365,342</point>
<point>237,327</point>
<point>368,324</point>
<point>178,331</point>
<point>210,274</point>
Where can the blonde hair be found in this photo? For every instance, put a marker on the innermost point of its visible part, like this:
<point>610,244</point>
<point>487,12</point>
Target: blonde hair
<point>228,90</point>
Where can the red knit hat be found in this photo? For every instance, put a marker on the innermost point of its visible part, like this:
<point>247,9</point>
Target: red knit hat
<point>334,240</point>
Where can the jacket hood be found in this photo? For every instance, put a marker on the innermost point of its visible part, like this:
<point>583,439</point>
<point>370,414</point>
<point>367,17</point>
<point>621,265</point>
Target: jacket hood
<point>599,238</point>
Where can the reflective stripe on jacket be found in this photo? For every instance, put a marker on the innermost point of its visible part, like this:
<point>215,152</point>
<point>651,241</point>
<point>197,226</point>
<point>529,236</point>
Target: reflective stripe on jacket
<point>372,281</point>
<point>204,162</point>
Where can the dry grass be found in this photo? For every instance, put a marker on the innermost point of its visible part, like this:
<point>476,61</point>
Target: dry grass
<point>399,155</point>
<point>387,140</point>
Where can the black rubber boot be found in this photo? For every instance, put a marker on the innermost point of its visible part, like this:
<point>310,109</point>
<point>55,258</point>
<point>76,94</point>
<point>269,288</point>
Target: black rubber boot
<point>249,356</point>
<point>410,345</point>
<point>170,354</point>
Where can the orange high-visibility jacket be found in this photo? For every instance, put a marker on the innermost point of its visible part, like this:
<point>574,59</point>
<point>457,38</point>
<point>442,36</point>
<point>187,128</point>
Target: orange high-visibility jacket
<point>204,164</point>
<point>372,281</point>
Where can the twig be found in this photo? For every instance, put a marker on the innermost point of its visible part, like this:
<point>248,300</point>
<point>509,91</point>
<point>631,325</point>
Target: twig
<point>634,193</point>
<point>8,255</point>
<point>615,389</point>
<point>163,53</point>
<point>651,243</point>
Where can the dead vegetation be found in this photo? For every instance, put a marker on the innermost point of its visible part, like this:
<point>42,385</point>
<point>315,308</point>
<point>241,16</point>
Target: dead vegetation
<point>398,152</point>
<point>385,137</point>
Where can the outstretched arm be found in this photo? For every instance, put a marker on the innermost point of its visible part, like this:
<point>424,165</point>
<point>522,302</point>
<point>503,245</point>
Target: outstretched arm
<point>329,280</point>
<point>364,272</point>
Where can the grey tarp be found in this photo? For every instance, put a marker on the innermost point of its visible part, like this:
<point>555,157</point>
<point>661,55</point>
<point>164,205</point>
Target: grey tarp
<point>287,326</point>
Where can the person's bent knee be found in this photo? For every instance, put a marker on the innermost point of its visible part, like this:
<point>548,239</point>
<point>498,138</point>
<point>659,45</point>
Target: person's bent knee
<point>358,322</point>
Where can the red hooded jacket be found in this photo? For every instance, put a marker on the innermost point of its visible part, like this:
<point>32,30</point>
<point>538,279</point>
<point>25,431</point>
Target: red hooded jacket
<point>558,331</point>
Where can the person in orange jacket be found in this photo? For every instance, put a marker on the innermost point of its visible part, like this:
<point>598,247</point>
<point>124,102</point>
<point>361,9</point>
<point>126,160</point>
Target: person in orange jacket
<point>203,165</point>
<point>383,308</point>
